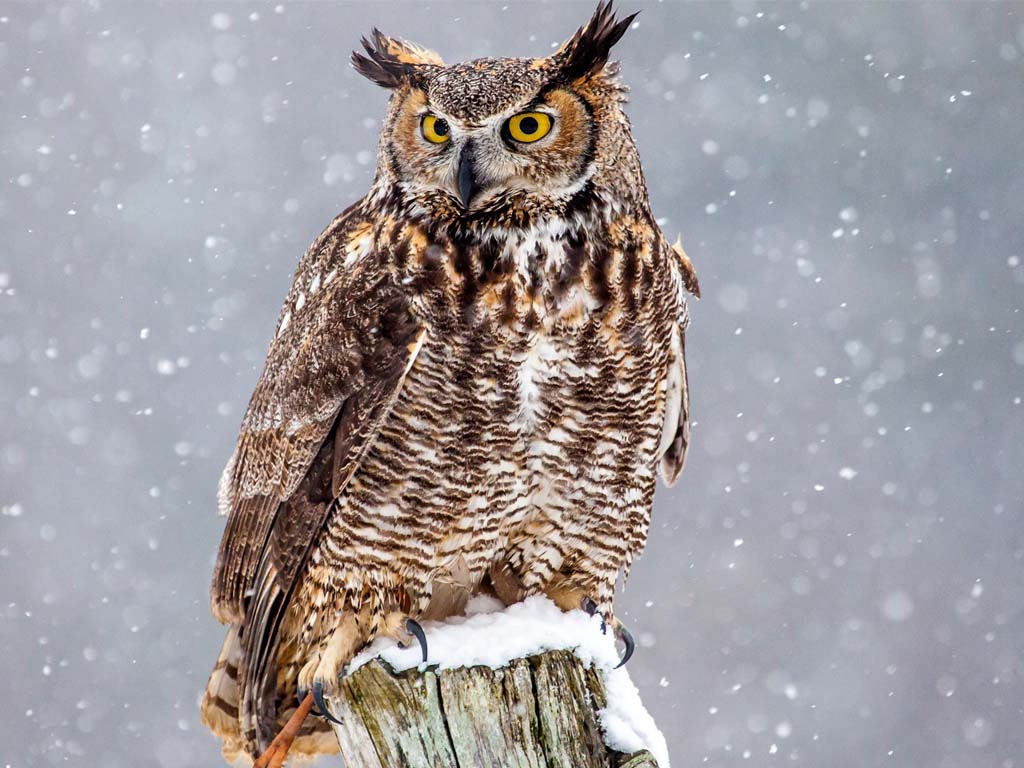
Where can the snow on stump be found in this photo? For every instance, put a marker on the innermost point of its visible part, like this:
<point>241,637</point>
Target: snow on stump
<point>521,687</point>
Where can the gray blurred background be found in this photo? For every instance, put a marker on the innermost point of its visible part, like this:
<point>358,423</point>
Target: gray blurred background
<point>836,581</point>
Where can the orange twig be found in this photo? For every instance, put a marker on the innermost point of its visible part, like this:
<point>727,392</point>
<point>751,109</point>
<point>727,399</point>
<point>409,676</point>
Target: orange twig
<point>276,753</point>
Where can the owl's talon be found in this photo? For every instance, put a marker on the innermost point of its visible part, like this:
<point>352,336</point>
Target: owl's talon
<point>590,608</point>
<point>627,640</point>
<point>301,695</point>
<point>413,628</point>
<point>318,699</point>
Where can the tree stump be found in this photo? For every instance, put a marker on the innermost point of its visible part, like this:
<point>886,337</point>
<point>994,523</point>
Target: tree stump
<point>535,712</point>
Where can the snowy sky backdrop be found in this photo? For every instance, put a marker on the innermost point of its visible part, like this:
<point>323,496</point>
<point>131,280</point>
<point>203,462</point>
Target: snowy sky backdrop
<point>837,579</point>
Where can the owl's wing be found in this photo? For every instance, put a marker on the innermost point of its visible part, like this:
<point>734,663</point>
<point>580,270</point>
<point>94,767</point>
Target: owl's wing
<point>344,342</point>
<point>675,435</point>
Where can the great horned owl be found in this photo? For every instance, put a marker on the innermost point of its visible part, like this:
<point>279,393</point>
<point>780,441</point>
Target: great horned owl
<point>474,378</point>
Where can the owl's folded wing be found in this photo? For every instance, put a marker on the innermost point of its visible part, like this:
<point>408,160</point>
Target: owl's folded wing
<point>344,342</point>
<point>675,438</point>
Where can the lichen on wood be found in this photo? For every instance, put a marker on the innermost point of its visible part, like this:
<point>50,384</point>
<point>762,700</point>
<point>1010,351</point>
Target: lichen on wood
<point>539,712</point>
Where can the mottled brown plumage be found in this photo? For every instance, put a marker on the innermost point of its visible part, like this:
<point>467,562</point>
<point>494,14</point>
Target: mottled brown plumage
<point>476,374</point>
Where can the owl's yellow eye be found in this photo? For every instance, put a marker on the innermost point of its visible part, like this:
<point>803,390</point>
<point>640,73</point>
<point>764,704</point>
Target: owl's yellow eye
<point>528,127</point>
<point>435,129</point>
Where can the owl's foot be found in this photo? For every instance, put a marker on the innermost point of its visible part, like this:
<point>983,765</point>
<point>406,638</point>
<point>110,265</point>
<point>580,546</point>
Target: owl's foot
<point>276,753</point>
<point>622,634</point>
<point>506,584</point>
<point>322,674</point>
<point>569,598</point>
<point>413,628</point>
<point>405,630</point>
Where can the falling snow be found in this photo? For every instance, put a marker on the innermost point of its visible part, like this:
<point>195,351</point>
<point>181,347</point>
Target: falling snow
<point>836,579</point>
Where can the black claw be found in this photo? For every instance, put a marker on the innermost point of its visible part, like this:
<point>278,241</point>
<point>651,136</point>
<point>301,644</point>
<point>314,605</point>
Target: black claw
<point>416,631</point>
<point>302,693</point>
<point>318,699</point>
<point>588,605</point>
<point>627,640</point>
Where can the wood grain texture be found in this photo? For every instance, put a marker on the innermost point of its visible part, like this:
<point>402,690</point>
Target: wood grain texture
<point>569,728</point>
<point>642,759</point>
<point>539,712</point>
<point>492,715</point>
<point>402,717</point>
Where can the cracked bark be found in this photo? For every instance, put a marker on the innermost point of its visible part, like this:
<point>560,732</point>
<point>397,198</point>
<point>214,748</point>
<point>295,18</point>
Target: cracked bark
<point>539,712</point>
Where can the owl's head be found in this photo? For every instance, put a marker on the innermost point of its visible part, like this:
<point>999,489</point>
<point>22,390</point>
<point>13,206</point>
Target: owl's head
<point>503,141</point>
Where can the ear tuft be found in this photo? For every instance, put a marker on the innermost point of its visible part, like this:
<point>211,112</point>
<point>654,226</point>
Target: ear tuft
<point>586,52</point>
<point>390,62</point>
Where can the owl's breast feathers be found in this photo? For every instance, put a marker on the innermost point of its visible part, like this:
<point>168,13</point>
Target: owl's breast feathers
<point>592,293</point>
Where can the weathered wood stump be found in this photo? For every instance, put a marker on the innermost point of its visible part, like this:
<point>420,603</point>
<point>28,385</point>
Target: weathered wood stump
<point>538,712</point>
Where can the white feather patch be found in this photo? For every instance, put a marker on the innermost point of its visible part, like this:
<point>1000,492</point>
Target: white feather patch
<point>224,495</point>
<point>673,394</point>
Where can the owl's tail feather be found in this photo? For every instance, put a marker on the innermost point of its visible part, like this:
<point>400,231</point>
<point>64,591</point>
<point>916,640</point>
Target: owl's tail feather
<point>219,709</point>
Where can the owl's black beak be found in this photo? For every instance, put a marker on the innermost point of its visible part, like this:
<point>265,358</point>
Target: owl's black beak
<point>468,182</point>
